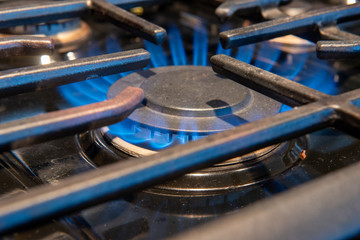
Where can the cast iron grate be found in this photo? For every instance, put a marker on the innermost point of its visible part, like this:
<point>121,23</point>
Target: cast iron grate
<point>347,45</point>
<point>346,49</point>
<point>268,9</point>
<point>323,21</point>
<point>315,110</point>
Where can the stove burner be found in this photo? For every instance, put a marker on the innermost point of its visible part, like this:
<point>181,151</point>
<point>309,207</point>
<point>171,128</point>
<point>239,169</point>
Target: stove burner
<point>68,34</point>
<point>184,103</point>
<point>158,122</point>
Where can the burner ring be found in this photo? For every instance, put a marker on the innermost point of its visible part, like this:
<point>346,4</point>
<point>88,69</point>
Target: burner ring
<point>136,151</point>
<point>231,175</point>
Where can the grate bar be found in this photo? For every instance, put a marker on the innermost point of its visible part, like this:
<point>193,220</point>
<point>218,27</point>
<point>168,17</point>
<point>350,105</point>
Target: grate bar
<point>130,22</point>
<point>345,106</point>
<point>333,32</point>
<point>277,87</point>
<point>288,25</point>
<point>349,116</point>
<point>25,45</point>
<point>229,7</point>
<point>51,75</point>
<point>48,126</point>
<point>338,49</point>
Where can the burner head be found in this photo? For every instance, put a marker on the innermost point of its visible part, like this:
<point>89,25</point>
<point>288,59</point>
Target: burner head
<point>183,103</point>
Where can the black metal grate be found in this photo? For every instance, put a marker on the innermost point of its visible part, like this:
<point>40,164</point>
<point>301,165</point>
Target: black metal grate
<point>314,111</point>
<point>338,49</point>
<point>230,7</point>
<point>319,111</point>
<point>322,20</point>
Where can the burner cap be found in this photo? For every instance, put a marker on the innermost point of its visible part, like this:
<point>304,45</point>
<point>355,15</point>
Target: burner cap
<point>195,92</point>
<point>193,99</point>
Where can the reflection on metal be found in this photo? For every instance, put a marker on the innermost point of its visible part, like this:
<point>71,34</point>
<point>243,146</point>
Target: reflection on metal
<point>293,44</point>
<point>137,10</point>
<point>25,45</point>
<point>45,59</point>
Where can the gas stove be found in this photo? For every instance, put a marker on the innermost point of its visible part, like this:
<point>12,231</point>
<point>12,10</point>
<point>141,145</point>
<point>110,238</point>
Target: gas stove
<point>179,119</point>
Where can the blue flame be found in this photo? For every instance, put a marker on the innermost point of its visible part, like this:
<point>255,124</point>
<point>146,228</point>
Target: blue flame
<point>221,50</point>
<point>93,90</point>
<point>245,53</point>
<point>158,57</point>
<point>296,63</point>
<point>160,140</point>
<point>176,46</point>
<point>292,66</point>
<point>200,46</point>
<point>314,75</point>
<point>267,57</point>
